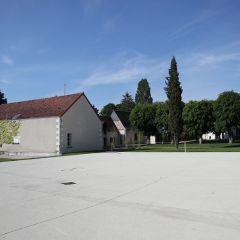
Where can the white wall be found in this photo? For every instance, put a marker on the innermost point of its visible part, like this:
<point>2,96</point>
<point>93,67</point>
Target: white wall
<point>209,136</point>
<point>212,136</point>
<point>128,135</point>
<point>84,125</point>
<point>36,135</point>
<point>118,123</point>
<point>115,136</point>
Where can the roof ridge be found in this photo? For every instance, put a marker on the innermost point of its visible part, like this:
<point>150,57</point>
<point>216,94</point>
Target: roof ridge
<point>122,111</point>
<point>38,99</point>
<point>44,107</point>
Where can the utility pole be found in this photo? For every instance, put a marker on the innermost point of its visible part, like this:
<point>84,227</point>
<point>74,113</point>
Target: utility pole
<point>64,88</point>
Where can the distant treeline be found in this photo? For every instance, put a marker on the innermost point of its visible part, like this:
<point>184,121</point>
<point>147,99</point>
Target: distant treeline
<point>174,120</point>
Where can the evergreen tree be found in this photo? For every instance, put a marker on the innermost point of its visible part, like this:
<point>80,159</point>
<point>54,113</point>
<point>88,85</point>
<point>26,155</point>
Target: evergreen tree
<point>127,103</point>
<point>3,100</point>
<point>174,93</point>
<point>143,94</point>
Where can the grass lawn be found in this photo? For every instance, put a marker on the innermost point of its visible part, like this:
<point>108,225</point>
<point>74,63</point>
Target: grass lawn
<point>191,147</point>
<point>8,159</point>
<point>79,153</point>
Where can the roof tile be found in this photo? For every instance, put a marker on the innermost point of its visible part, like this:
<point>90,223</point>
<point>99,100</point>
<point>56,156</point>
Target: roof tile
<point>45,107</point>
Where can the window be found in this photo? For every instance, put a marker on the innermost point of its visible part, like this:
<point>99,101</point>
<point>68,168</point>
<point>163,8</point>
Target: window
<point>69,139</point>
<point>135,137</point>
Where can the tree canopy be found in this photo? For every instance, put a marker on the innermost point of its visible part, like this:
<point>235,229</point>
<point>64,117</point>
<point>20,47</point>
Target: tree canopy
<point>127,103</point>
<point>143,94</point>
<point>142,118</point>
<point>198,118</point>
<point>174,94</point>
<point>8,130</point>
<point>227,112</point>
<point>162,119</point>
<point>3,100</point>
<point>107,109</point>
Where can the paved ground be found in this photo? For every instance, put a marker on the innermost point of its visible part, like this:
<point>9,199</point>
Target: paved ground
<point>122,196</point>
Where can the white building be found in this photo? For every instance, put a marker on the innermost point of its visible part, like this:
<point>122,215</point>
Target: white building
<point>129,135</point>
<point>111,136</point>
<point>54,125</point>
<point>209,136</point>
<point>212,136</point>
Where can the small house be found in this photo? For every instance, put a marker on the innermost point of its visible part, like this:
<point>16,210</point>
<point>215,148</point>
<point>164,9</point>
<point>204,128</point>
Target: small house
<point>57,125</point>
<point>129,135</point>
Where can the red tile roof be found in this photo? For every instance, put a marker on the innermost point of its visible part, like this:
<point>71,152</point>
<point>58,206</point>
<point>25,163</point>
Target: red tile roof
<point>45,107</point>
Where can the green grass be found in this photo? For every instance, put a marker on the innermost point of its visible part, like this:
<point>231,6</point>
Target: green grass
<point>80,153</point>
<point>8,159</point>
<point>191,147</point>
<point>23,158</point>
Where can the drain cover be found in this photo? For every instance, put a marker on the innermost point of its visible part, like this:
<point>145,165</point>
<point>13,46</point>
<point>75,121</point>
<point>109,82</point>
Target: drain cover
<point>68,183</point>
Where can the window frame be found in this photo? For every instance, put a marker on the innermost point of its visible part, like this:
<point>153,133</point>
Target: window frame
<point>69,140</point>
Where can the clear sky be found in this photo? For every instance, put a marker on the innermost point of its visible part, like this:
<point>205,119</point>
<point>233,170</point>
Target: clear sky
<point>104,47</point>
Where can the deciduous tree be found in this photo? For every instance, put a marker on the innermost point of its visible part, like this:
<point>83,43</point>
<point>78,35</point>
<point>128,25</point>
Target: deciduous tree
<point>198,118</point>
<point>107,109</point>
<point>227,112</point>
<point>8,130</point>
<point>142,118</point>
<point>162,119</point>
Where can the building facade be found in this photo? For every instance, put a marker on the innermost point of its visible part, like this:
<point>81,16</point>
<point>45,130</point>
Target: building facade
<point>54,125</point>
<point>128,135</point>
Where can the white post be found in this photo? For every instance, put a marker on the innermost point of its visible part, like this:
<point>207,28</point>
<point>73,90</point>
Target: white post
<point>185,146</point>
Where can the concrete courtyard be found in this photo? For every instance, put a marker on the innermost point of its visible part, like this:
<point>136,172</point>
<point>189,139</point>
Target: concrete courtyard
<point>122,196</point>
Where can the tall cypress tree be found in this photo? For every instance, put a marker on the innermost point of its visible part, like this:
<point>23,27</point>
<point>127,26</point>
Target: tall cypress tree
<point>173,90</point>
<point>3,100</point>
<point>143,94</point>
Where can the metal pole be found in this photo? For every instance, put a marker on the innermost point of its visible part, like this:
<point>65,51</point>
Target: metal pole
<point>65,87</point>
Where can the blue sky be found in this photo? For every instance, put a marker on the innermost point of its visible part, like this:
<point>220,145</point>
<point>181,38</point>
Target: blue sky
<point>104,47</point>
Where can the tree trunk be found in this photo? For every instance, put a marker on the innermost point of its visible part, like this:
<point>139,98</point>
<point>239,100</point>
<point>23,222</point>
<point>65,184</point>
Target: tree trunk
<point>200,140</point>
<point>176,142</point>
<point>217,137</point>
<point>230,137</point>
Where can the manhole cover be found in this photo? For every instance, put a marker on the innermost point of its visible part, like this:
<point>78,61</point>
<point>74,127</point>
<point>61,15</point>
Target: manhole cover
<point>68,183</point>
